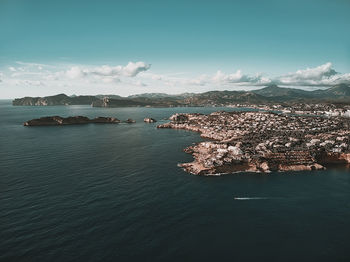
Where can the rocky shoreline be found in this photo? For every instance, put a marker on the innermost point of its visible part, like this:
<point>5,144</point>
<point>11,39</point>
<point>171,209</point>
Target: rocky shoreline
<point>263,142</point>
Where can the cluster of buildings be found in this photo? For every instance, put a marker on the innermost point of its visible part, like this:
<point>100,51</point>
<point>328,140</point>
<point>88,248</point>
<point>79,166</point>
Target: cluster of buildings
<point>264,141</point>
<point>321,109</point>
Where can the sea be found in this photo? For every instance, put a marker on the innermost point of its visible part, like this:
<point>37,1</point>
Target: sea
<point>114,192</point>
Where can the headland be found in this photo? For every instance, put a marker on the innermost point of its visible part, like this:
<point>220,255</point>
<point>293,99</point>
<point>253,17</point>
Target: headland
<point>263,141</point>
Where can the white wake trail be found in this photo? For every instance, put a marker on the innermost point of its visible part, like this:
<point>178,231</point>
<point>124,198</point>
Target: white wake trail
<point>251,198</point>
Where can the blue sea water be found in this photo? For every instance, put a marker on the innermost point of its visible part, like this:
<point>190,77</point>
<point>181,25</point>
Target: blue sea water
<point>115,193</point>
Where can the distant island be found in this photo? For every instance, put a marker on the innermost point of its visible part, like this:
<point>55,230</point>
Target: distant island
<point>264,141</point>
<point>268,95</point>
<point>72,120</point>
<point>77,120</point>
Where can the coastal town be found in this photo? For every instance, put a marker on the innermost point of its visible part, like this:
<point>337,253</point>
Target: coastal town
<point>319,109</point>
<point>265,141</point>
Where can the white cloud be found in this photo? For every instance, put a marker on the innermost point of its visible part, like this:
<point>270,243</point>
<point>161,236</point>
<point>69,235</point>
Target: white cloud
<point>316,73</point>
<point>75,72</point>
<point>239,78</point>
<point>139,83</point>
<point>156,77</point>
<point>109,79</point>
<point>130,70</point>
<point>200,81</point>
<point>137,77</point>
<point>323,75</point>
<point>22,77</point>
<point>232,79</point>
<point>35,65</point>
<point>28,83</point>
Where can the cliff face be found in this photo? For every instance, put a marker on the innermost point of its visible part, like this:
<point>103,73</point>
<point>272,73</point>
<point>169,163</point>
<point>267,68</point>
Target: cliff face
<point>263,142</point>
<point>213,158</point>
<point>333,158</point>
<point>72,120</point>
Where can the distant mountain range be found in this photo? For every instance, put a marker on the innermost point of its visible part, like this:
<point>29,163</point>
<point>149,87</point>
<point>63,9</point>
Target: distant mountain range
<point>56,100</point>
<point>270,94</point>
<point>337,92</point>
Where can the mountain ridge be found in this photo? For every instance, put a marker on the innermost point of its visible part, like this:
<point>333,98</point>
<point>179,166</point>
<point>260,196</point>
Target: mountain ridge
<point>268,94</point>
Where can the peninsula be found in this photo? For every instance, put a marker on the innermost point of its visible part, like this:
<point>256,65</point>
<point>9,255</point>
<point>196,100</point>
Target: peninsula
<point>264,141</point>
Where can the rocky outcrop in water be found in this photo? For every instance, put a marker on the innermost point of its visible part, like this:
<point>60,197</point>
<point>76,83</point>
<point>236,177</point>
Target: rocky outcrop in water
<point>130,121</point>
<point>72,120</point>
<point>105,120</point>
<point>263,142</point>
<point>149,120</point>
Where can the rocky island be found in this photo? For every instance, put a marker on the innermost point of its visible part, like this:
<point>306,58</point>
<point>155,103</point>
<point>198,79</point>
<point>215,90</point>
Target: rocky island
<point>72,120</point>
<point>263,141</point>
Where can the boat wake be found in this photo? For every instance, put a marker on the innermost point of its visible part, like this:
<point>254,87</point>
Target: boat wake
<point>251,198</point>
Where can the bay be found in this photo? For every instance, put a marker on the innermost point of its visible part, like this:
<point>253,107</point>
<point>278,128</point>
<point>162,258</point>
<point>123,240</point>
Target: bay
<point>115,193</point>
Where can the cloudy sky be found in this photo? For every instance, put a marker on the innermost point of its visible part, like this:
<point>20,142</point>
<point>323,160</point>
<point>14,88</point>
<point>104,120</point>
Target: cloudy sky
<point>128,47</point>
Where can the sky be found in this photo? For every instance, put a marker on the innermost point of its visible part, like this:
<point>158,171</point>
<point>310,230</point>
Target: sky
<point>127,47</point>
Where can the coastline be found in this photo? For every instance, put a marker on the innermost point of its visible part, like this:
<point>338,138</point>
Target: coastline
<point>227,151</point>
